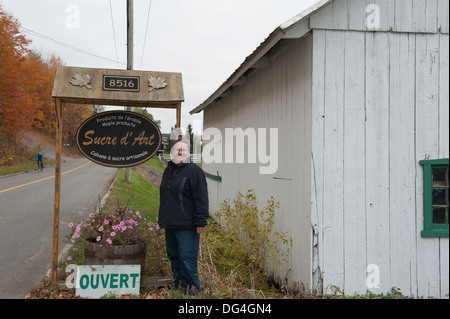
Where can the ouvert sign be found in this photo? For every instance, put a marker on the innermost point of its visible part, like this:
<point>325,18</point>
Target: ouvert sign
<point>98,281</point>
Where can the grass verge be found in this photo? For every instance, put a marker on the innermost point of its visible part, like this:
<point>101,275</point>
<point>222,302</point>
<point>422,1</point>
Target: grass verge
<point>139,195</point>
<point>22,165</point>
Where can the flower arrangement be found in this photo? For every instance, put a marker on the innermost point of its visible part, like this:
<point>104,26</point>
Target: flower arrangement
<point>122,227</point>
<point>102,232</point>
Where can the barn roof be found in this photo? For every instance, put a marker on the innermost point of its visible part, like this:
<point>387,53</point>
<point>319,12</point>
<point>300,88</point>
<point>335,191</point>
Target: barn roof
<point>293,28</point>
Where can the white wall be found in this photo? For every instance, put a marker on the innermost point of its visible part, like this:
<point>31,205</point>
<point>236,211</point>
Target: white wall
<point>349,180</point>
<point>278,96</point>
<point>380,105</point>
<point>417,16</point>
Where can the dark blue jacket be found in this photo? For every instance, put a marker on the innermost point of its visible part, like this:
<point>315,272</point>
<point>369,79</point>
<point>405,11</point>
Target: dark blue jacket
<point>184,200</point>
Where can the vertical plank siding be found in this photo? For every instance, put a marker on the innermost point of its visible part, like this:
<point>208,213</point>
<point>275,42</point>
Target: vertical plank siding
<point>278,96</point>
<point>402,203</point>
<point>377,153</point>
<point>444,143</point>
<point>333,257</point>
<point>427,146</point>
<point>356,110</point>
<point>354,162</point>
<point>410,16</point>
<point>317,156</point>
<point>380,105</point>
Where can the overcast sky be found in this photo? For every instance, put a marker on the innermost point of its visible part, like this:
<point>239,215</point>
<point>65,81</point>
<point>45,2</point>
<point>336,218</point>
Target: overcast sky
<point>205,40</point>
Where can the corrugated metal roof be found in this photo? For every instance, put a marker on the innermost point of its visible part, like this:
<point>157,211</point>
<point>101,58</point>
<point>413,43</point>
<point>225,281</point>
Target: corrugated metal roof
<point>277,35</point>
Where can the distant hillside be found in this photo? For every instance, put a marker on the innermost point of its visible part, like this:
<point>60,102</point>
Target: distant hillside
<point>33,140</point>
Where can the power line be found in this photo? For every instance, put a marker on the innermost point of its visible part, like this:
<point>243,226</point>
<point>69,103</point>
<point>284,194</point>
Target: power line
<point>114,32</point>
<point>146,28</point>
<point>67,46</point>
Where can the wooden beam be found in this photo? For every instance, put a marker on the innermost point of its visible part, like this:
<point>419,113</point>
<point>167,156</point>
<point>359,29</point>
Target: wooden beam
<point>147,104</point>
<point>59,109</point>
<point>179,115</point>
<point>227,92</point>
<point>91,83</point>
<point>262,63</point>
<point>241,81</point>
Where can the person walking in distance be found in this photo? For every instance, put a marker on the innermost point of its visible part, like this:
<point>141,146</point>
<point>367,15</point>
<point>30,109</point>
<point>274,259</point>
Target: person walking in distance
<point>183,213</point>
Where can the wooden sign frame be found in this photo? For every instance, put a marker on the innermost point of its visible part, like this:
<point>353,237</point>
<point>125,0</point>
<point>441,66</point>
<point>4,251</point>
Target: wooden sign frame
<point>86,86</point>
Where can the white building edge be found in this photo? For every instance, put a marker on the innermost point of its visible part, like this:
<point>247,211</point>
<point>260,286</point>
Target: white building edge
<point>358,91</point>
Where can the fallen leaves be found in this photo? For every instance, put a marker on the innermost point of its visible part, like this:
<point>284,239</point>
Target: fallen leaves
<point>160,294</point>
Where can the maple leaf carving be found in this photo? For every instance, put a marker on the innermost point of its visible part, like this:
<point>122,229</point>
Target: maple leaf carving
<point>156,83</point>
<point>81,80</point>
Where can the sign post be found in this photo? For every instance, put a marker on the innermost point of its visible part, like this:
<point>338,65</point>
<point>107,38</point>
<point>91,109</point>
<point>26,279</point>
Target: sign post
<point>108,87</point>
<point>59,110</point>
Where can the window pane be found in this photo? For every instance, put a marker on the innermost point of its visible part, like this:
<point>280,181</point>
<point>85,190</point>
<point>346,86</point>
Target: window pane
<point>439,197</point>
<point>440,215</point>
<point>440,177</point>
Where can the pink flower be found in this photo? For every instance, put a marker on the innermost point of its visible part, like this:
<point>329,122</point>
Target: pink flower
<point>75,249</point>
<point>91,215</point>
<point>100,228</point>
<point>109,241</point>
<point>70,225</point>
<point>113,234</point>
<point>99,238</point>
<point>106,222</point>
<point>69,258</point>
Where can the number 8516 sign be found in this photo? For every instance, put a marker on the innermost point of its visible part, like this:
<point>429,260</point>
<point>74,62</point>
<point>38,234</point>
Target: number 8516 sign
<point>121,83</point>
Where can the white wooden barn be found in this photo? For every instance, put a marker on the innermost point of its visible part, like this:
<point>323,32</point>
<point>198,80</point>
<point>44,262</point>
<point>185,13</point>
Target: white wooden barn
<point>359,93</point>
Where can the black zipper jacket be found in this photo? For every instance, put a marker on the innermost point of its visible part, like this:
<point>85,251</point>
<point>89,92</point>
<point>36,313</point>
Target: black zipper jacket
<point>183,197</point>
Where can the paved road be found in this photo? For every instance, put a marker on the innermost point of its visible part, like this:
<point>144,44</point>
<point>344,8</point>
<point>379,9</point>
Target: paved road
<point>26,214</point>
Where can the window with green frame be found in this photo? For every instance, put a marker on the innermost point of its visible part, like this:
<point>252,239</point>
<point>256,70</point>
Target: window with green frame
<point>435,197</point>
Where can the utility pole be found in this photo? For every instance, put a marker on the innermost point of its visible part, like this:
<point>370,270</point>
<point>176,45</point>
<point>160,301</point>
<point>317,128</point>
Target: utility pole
<point>130,43</point>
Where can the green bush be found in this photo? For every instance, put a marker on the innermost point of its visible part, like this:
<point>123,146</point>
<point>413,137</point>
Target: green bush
<point>246,237</point>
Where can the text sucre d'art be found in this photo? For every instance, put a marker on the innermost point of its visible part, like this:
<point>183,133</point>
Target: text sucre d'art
<point>141,139</point>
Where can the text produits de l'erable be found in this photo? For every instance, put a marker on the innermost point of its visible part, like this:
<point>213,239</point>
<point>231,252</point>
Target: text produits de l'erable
<point>141,139</point>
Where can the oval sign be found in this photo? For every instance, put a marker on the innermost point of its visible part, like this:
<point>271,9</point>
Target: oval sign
<point>118,139</point>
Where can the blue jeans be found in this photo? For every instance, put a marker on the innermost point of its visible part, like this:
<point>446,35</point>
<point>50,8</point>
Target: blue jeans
<point>182,249</point>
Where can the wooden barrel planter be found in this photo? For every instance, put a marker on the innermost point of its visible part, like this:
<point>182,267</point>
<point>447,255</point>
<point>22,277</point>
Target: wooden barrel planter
<point>96,254</point>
